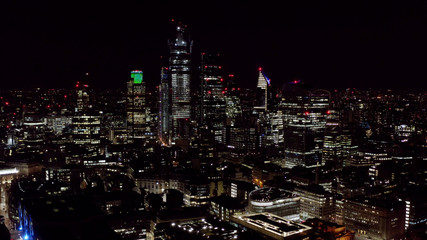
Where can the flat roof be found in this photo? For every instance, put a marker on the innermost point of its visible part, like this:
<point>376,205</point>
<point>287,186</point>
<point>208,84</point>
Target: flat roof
<point>201,229</point>
<point>272,225</point>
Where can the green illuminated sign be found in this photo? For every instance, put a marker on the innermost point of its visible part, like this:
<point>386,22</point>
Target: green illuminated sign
<point>136,76</point>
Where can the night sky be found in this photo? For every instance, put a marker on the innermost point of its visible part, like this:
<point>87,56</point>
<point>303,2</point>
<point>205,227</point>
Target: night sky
<point>327,44</point>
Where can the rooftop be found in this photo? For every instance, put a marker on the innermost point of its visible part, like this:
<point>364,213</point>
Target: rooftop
<point>272,225</point>
<point>269,194</point>
<point>385,202</point>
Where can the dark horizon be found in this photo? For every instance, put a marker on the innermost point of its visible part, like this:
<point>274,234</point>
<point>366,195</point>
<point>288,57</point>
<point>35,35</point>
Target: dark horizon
<point>325,44</point>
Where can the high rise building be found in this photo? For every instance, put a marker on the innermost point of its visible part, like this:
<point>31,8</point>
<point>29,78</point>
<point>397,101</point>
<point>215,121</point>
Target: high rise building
<point>304,124</point>
<point>164,108</point>
<point>86,125</point>
<point>151,115</point>
<point>180,71</point>
<point>135,108</point>
<point>213,102</point>
<point>262,91</point>
<point>337,140</point>
<point>259,113</point>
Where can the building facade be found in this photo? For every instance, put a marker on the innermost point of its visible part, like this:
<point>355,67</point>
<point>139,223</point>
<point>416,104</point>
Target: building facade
<point>180,71</point>
<point>377,219</point>
<point>136,109</point>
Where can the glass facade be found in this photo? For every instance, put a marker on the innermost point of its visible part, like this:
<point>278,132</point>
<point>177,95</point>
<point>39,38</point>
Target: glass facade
<point>304,124</point>
<point>164,108</point>
<point>180,71</point>
<point>136,111</point>
<point>213,101</point>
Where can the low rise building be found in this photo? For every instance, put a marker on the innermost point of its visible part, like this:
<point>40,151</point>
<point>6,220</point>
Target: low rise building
<point>276,201</point>
<point>270,226</point>
<point>375,218</point>
<point>315,202</point>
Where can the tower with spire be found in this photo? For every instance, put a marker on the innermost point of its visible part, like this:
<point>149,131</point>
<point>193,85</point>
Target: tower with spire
<point>262,91</point>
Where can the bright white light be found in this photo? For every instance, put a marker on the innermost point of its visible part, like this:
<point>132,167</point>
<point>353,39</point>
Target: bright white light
<point>8,171</point>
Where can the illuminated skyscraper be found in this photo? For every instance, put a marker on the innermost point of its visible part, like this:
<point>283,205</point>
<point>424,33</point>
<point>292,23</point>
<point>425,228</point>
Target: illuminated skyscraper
<point>136,111</point>
<point>304,124</point>
<point>86,125</point>
<point>213,96</point>
<point>262,91</point>
<point>180,71</point>
<point>164,109</point>
<point>337,140</point>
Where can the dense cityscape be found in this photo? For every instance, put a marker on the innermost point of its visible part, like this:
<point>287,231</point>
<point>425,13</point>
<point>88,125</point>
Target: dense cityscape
<point>199,156</point>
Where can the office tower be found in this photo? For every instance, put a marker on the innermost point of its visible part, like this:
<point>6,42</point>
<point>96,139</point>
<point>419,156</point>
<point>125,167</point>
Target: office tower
<point>213,102</point>
<point>337,140</point>
<point>30,133</point>
<point>304,124</point>
<point>234,134</point>
<point>180,69</point>
<point>82,91</point>
<point>259,113</point>
<point>270,128</point>
<point>164,108</point>
<point>136,111</point>
<point>232,93</point>
<point>416,206</point>
<point>151,115</point>
<point>86,125</point>
<point>262,91</point>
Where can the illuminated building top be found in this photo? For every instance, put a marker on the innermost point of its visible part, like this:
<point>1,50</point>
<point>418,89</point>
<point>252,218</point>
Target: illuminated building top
<point>263,80</point>
<point>136,75</point>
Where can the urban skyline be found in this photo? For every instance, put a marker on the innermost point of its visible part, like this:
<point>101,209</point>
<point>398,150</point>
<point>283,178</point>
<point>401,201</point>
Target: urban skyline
<point>232,121</point>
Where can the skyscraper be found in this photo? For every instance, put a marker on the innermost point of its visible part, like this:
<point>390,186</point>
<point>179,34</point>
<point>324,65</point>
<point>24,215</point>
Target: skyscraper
<point>304,124</point>
<point>180,70</point>
<point>164,109</point>
<point>86,125</point>
<point>262,91</point>
<point>135,108</point>
<point>213,110</point>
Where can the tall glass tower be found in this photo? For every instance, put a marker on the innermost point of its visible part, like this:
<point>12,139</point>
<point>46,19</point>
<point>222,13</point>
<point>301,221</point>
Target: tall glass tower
<point>164,108</point>
<point>86,127</point>
<point>262,91</point>
<point>213,109</point>
<point>136,112</point>
<point>180,71</point>
<point>305,114</point>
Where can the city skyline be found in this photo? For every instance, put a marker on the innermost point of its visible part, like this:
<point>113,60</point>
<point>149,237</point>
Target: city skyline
<point>220,120</point>
<point>327,45</point>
